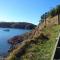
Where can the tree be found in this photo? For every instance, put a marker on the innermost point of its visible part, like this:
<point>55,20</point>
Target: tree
<point>53,12</point>
<point>45,16</point>
<point>58,13</point>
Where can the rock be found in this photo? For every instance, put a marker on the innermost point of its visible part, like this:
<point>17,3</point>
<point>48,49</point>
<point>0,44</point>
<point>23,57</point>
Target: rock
<point>15,40</point>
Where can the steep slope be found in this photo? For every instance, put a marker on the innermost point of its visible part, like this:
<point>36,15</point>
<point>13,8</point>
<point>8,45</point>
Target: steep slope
<point>43,50</point>
<point>37,47</point>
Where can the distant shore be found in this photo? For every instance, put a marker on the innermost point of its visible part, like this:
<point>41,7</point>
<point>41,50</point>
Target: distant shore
<point>17,25</point>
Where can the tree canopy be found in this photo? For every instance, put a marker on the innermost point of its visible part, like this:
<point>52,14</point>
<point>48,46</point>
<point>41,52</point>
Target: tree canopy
<point>53,12</point>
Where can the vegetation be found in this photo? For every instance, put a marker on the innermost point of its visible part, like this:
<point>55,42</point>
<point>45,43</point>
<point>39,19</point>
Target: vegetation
<point>19,25</point>
<point>39,48</point>
<point>53,12</point>
<point>42,50</point>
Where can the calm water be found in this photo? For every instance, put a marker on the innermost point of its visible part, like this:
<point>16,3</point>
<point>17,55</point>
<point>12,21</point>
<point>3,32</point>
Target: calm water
<point>5,34</point>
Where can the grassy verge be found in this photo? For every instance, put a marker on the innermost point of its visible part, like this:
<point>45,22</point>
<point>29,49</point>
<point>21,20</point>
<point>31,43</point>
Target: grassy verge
<point>42,50</point>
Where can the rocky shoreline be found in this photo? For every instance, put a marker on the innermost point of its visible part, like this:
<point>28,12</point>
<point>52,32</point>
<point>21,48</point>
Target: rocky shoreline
<point>19,39</point>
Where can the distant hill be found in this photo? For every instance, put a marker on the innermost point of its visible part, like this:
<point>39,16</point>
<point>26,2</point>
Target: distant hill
<point>19,25</point>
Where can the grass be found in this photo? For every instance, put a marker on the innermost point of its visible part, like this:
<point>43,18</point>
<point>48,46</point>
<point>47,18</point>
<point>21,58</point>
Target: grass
<point>42,50</point>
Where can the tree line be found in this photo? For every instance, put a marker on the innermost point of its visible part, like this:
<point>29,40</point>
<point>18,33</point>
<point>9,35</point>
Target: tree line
<point>53,12</point>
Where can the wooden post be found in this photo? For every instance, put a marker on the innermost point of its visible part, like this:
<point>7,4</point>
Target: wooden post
<point>58,18</point>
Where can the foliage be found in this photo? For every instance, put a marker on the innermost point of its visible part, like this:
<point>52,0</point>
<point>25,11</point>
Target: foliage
<point>42,50</point>
<point>52,13</point>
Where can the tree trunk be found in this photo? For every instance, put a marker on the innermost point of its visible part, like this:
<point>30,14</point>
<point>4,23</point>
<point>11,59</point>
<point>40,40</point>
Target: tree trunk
<point>45,22</point>
<point>58,18</point>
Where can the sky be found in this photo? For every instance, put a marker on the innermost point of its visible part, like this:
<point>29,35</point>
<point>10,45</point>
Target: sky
<point>25,10</point>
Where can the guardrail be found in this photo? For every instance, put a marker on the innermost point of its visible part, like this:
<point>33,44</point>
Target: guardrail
<point>52,58</point>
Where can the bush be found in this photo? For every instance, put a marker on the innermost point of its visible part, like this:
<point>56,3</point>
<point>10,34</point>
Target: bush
<point>44,37</point>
